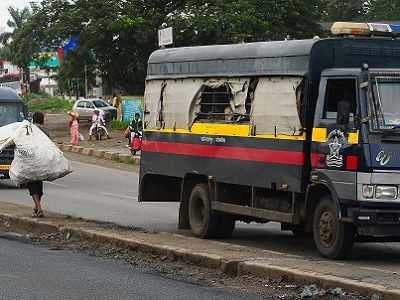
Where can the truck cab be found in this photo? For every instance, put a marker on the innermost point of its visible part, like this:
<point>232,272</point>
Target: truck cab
<point>12,109</point>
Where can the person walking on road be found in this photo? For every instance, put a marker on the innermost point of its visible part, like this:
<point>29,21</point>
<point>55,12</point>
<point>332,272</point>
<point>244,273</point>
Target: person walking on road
<point>36,187</point>
<point>74,127</point>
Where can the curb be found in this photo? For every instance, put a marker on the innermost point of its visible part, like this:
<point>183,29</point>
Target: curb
<point>325,281</point>
<point>258,268</point>
<point>102,154</point>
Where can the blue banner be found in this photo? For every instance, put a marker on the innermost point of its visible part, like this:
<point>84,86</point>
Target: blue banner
<point>130,107</point>
<point>71,44</point>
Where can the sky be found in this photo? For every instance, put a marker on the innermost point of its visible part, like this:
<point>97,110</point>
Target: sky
<point>4,4</point>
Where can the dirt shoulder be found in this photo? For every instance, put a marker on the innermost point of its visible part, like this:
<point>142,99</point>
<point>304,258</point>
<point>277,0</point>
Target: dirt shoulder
<point>57,124</point>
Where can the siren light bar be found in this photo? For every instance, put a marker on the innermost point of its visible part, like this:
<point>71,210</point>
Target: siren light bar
<point>366,29</point>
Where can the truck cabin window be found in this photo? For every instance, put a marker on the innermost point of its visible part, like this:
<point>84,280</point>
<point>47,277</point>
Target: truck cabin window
<point>340,101</point>
<point>215,105</point>
<point>11,113</point>
<point>386,93</point>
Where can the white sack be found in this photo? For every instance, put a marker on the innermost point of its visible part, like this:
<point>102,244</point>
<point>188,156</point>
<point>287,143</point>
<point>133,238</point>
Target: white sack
<point>36,157</point>
<point>7,134</point>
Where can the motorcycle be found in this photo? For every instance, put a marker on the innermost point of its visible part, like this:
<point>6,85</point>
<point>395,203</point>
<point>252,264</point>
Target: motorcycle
<point>98,131</point>
<point>136,143</point>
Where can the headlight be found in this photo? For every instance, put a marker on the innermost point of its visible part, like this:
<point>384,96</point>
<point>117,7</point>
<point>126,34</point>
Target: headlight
<point>385,192</point>
<point>368,191</point>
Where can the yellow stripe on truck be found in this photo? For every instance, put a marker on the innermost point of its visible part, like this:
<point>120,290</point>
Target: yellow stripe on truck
<point>221,129</point>
<point>353,138</point>
<point>240,130</point>
<point>5,167</point>
<point>320,135</point>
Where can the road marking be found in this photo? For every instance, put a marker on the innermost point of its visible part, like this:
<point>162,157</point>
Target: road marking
<point>119,196</point>
<point>58,185</point>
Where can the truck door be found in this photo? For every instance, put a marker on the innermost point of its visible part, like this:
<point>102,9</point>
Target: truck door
<point>335,127</point>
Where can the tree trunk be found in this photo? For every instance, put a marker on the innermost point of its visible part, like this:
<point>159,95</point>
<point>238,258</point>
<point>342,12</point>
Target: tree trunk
<point>26,79</point>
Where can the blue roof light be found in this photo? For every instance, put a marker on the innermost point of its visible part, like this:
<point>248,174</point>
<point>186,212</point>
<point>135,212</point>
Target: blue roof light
<point>395,28</point>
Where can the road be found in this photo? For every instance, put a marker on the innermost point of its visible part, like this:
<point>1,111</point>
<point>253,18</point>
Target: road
<point>109,194</point>
<point>100,193</point>
<point>32,272</point>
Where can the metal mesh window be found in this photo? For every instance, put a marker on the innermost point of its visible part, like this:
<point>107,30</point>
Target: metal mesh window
<point>215,104</point>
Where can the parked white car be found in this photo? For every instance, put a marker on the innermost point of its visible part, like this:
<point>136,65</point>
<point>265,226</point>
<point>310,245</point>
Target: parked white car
<point>86,107</point>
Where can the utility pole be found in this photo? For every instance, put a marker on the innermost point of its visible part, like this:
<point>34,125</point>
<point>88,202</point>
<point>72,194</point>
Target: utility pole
<point>86,83</point>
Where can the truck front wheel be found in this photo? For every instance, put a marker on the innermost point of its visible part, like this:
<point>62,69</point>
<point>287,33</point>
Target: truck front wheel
<point>333,238</point>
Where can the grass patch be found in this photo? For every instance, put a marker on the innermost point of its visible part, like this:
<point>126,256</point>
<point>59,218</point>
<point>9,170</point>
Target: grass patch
<point>47,103</point>
<point>115,124</point>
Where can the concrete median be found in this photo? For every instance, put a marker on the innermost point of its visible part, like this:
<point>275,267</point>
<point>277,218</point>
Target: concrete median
<point>102,154</point>
<point>232,259</point>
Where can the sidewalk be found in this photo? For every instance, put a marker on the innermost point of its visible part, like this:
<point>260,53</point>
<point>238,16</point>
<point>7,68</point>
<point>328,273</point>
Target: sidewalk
<point>229,258</point>
<point>113,154</point>
<point>111,149</point>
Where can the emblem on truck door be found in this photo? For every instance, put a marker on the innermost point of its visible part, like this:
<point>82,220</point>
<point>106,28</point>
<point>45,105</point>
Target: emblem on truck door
<point>336,139</point>
<point>383,158</point>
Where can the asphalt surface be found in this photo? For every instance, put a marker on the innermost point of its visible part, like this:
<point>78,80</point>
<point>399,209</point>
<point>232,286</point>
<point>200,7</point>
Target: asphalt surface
<point>108,194</point>
<point>99,193</point>
<point>31,272</point>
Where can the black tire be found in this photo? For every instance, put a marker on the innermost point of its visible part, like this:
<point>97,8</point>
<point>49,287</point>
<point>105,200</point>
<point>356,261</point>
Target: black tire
<point>203,221</point>
<point>334,239</point>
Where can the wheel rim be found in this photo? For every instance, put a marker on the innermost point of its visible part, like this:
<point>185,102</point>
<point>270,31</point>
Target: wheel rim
<point>198,211</point>
<point>327,228</point>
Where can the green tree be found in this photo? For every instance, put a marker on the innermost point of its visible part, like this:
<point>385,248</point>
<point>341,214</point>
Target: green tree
<point>211,22</point>
<point>20,45</point>
<point>384,10</point>
<point>344,10</point>
<point>117,37</point>
<point>18,18</point>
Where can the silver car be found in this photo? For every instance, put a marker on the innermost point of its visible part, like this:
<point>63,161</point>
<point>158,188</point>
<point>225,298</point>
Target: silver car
<point>85,108</point>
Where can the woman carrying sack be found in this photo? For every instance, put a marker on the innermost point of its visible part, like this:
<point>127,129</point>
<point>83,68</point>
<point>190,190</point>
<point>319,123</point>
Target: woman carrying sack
<point>36,187</point>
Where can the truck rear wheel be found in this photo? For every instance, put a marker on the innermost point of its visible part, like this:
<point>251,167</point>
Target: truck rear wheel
<point>333,238</point>
<point>202,221</point>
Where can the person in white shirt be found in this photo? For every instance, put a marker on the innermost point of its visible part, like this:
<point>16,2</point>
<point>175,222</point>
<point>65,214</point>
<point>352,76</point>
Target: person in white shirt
<point>98,120</point>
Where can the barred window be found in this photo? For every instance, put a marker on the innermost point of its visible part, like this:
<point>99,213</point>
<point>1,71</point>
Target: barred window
<point>215,104</point>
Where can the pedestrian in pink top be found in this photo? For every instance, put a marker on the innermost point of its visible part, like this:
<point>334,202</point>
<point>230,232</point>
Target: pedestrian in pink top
<point>74,127</point>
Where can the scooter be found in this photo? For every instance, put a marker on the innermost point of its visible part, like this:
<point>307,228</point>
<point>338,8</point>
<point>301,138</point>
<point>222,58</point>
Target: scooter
<point>136,143</point>
<point>98,132</point>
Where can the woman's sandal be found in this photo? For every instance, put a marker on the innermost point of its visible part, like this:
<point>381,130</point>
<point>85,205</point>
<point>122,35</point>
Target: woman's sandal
<point>35,211</point>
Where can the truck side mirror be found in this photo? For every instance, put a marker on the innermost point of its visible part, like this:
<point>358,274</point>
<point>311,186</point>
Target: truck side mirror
<point>343,113</point>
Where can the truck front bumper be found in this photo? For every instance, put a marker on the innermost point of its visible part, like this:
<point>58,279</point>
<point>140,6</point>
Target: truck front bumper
<point>376,222</point>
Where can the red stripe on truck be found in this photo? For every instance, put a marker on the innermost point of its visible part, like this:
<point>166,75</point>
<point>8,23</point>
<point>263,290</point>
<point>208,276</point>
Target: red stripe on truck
<point>226,152</point>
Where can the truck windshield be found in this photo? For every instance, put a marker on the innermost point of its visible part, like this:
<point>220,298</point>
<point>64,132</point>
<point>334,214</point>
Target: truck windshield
<point>10,113</point>
<point>386,94</point>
